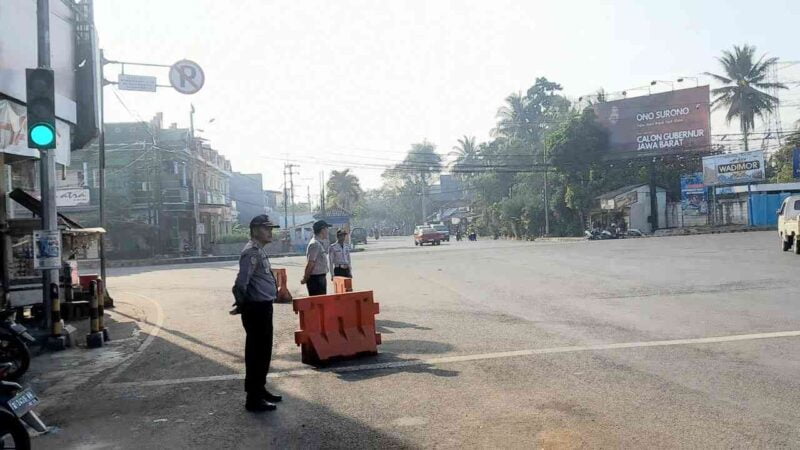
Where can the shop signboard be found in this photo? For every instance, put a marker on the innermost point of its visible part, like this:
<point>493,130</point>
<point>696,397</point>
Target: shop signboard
<point>693,195</point>
<point>46,249</point>
<point>665,123</point>
<point>734,168</point>
<point>72,197</point>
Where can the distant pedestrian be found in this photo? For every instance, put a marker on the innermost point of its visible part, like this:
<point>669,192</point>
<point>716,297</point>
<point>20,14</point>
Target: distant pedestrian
<point>315,276</point>
<point>340,256</point>
<point>255,290</point>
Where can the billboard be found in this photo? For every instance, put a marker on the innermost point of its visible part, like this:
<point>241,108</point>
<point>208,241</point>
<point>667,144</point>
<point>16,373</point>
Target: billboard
<point>693,195</point>
<point>734,168</point>
<point>658,124</point>
<point>796,163</point>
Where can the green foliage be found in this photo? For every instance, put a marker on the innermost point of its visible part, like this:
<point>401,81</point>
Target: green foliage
<point>744,76</point>
<point>238,234</point>
<point>343,190</point>
<point>779,169</point>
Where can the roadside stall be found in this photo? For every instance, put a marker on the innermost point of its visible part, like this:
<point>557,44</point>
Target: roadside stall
<point>22,282</point>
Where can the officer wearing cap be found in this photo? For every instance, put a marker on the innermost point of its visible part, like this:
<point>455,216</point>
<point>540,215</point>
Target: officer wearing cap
<point>317,261</point>
<point>255,289</point>
<point>340,256</point>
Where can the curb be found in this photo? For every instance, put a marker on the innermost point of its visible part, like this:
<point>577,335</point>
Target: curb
<point>187,260</point>
<point>702,231</point>
<point>560,239</point>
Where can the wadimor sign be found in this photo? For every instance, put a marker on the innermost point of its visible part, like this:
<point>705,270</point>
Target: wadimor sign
<point>665,123</point>
<point>734,168</point>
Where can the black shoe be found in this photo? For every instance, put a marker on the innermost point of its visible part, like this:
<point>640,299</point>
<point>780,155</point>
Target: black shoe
<point>259,405</point>
<point>270,397</point>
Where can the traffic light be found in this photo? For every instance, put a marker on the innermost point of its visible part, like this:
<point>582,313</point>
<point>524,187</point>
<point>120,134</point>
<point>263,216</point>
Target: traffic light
<point>41,108</point>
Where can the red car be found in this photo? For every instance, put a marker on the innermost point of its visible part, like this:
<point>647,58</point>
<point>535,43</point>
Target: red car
<point>428,236</point>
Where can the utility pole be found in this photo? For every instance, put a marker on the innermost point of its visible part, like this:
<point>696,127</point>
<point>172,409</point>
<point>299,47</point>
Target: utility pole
<point>424,212</point>
<point>322,194</point>
<point>290,168</point>
<point>198,238</point>
<point>47,164</point>
<point>101,172</point>
<point>546,197</point>
<point>653,197</point>
<point>285,200</point>
<point>291,184</point>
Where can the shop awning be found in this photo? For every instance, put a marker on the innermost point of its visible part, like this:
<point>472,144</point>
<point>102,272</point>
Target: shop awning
<point>34,205</point>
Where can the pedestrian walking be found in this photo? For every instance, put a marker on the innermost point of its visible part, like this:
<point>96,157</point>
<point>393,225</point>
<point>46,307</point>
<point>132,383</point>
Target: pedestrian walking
<point>315,276</point>
<point>340,256</point>
<point>255,290</point>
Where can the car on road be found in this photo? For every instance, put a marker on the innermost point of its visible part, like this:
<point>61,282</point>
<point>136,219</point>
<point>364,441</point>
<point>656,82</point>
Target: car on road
<point>789,224</point>
<point>444,229</point>
<point>358,236</point>
<point>427,235</point>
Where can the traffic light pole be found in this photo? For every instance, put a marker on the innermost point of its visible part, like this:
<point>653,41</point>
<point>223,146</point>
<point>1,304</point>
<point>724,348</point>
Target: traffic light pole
<point>47,170</point>
<point>101,171</point>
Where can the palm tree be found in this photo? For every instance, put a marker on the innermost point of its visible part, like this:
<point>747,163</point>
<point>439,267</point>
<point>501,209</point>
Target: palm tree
<point>511,117</point>
<point>344,190</point>
<point>743,78</point>
<point>465,153</point>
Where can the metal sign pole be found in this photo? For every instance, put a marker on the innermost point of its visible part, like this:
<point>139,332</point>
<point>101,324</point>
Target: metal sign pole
<point>47,164</point>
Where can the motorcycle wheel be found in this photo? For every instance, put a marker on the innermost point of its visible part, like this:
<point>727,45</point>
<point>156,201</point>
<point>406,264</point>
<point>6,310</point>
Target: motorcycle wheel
<point>12,432</point>
<point>13,350</point>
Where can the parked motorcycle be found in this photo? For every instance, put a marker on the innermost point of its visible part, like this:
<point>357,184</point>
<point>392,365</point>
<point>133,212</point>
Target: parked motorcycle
<point>14,339</point>
<point>16,410</point>
<point>473,236</point>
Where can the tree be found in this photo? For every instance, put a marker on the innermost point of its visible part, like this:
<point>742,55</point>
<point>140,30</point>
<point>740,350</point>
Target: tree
<point>511,117</point>
<point>575,149</point>
<point>465,153</point>
<point>419,167</point>
<point>780,167</point>
<point>743,78</point>
<point>344,190</point>
<point>414,175</point>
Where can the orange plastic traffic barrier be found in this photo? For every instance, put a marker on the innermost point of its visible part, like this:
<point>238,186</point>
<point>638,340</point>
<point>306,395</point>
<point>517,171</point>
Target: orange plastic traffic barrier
<point>336,326</point>
<point>342,285</point>
<point>283,288</point>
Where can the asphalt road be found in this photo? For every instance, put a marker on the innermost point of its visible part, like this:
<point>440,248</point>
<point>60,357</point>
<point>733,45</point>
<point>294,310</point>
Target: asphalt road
<point>644,343</point>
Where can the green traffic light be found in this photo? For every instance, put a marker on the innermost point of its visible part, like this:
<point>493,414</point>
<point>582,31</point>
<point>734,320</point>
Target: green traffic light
<point>42,135</point>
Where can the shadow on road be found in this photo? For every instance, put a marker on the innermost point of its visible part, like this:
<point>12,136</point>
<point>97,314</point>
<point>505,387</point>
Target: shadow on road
<point>385,325</point>
<point>192,339</point>
<point>405,365</point>
<point>197,415</point>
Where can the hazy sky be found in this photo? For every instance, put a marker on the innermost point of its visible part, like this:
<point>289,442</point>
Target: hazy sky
<point>336,84</point>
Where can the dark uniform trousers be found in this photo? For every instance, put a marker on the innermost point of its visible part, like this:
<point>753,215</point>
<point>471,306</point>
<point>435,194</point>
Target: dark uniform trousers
<point>257,322</point>
<point>342,272</point>
<point>317,285</point>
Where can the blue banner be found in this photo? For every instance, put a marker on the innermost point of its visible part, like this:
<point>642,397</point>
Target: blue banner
<point>693,194</point>
<point>796,163</point>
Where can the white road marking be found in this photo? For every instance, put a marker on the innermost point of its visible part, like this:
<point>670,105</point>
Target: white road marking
<point>466,358</point>
<point>149,340</point>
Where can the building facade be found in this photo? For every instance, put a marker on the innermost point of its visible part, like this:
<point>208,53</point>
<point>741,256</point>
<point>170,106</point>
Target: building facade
<point>166,192</point>
<point>247,193</point>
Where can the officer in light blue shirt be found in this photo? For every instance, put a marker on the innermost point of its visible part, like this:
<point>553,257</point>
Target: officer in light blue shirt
<point>255,289</point>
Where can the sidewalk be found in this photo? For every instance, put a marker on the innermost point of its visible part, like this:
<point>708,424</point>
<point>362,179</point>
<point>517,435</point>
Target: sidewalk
<point>56,374</point>
<point>708,230</point>
<point>182,260</point>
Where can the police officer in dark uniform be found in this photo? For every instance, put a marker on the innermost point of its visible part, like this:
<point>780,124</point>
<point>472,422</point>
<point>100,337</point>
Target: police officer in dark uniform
<point>255,289</point>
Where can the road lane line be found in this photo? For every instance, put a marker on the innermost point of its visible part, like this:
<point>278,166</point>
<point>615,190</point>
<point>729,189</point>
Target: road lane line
<point>149,340</point>
<point>467,358</point>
